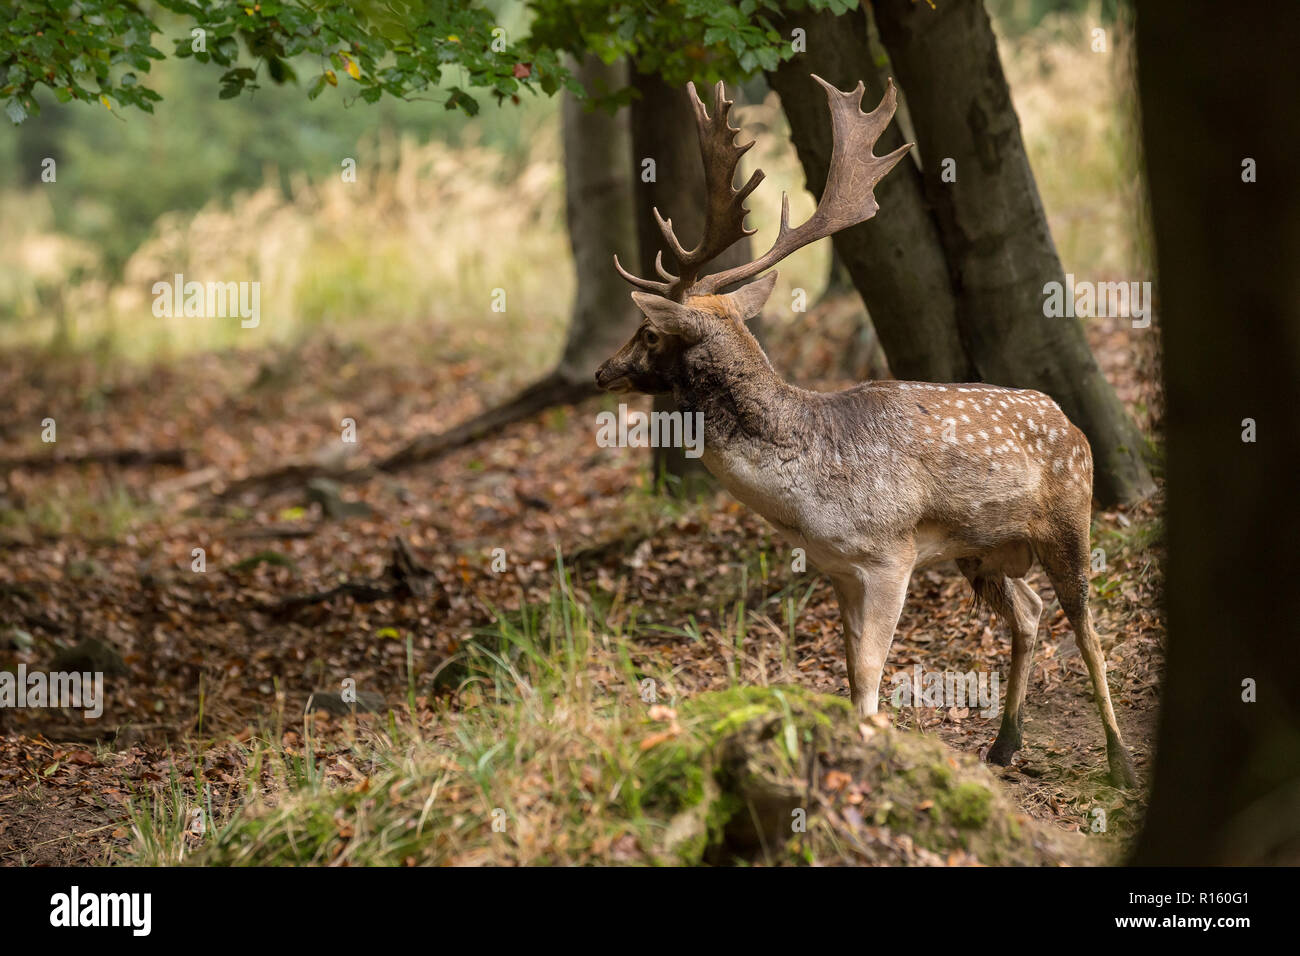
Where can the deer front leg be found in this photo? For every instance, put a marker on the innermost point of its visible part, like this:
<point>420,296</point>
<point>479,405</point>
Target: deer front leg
<point>871,598</point>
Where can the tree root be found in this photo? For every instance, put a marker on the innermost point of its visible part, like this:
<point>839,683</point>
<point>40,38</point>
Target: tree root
<point>121,457</point>
<point>554,389</point>
<point>404,577</point>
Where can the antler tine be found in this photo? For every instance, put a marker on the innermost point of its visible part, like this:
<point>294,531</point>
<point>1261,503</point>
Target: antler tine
<point>649,285</point>
<point>659,267</point>
<point>666,227</point>
<point>848,198</point>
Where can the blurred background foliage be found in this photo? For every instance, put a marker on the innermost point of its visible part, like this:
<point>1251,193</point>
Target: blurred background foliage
<point>197,147</point>
<point>446,206</point>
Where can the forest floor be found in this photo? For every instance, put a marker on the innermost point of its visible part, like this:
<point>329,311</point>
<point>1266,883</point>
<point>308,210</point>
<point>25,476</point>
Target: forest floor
<point>695,596</point>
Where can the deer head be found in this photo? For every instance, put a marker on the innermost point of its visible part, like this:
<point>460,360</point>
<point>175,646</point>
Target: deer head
<point>686,309</point>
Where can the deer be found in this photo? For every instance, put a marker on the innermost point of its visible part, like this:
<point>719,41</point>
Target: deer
<point>885,477</point>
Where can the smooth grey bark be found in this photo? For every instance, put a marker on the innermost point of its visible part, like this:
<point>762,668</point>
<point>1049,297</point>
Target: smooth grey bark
<point>1214,92</point>
<point>598,208</point>
<point>991,222</point>
<point>864,356</point>
<point>663,129</point>
<point>895,260</point>
<point>838,279</point>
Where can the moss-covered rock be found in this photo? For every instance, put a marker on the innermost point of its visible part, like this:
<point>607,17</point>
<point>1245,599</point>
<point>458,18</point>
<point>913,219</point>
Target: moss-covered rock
<point>775,775</point>
<point>787,775</point>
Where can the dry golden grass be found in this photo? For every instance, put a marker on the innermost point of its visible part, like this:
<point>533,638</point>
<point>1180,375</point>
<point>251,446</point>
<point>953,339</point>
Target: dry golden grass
<point>1077,116</point>
<point>425,234</point>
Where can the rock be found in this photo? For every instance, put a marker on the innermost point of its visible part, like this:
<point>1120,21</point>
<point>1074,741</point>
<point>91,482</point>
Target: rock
<point>328,494</point>
<point>91,655</point>
<point>18,639</point>
<point>82,569</point>
<point>264,557</point>
<point>738,769</point>
<point>332,702</point>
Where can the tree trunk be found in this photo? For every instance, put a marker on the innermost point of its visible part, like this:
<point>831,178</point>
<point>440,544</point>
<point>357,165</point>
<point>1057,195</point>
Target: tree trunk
<point>598,206</point>
<point>896,260</point>
<point>1216,91</point>
<point>991,222</point>
<point>663,130</point>
<point>838,279</point>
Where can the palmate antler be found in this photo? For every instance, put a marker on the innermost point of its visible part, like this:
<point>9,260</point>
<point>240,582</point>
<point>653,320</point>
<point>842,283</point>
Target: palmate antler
<point>847,200</point>
<point>724,216</point>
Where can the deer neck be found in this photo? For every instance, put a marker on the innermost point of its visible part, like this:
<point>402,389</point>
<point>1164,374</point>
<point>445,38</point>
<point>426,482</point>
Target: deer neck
<point>731,382</point>
<point>754,425</point>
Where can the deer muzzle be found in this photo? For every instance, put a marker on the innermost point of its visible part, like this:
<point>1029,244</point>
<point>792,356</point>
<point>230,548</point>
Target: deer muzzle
<point>613,378</point>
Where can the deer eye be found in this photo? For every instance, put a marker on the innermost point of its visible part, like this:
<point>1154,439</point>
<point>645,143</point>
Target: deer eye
<point>651,337</point>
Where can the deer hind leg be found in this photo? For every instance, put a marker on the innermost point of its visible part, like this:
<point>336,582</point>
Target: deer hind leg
<point>1064,556</point>
<point>1020,606</point>
<point>870,601</point>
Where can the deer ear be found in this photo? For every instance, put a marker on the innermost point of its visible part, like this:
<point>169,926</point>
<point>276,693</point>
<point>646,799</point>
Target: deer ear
<point>668,316</point>
<point>748,301</point>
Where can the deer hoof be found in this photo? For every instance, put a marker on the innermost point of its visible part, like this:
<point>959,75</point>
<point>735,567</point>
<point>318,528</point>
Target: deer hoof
<point>1122,774</point>
<point>1002,751</point>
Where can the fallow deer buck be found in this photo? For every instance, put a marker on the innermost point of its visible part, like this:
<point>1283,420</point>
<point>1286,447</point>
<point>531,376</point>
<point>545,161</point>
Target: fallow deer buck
<point>885,477</point>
